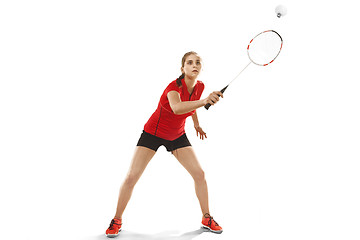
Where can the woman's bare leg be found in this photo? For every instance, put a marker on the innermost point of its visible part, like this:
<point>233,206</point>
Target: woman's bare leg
<point>186,156</point>
<point>141,158</point>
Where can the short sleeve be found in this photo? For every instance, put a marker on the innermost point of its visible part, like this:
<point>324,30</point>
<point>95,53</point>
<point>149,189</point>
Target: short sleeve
<point>201,87</point>
<point>172,87</point>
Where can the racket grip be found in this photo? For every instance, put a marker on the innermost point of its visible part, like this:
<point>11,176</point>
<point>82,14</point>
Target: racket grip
<point>207,106</point>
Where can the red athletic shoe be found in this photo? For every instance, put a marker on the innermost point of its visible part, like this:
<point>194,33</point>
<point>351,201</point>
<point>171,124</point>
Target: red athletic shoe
<point>209,223</point>
<point>114,228</point>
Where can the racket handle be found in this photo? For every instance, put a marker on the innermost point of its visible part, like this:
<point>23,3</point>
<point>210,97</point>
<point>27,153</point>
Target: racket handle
<point>207,106</point>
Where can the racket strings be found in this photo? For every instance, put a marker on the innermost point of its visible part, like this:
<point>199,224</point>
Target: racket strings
<point>265,47</point>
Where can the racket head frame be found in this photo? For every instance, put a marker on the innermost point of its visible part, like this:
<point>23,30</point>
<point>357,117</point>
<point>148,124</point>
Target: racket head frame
<point>248,47</point>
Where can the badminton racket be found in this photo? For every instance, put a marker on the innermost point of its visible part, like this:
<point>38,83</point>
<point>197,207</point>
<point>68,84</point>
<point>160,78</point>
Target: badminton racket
<point>262,50</point>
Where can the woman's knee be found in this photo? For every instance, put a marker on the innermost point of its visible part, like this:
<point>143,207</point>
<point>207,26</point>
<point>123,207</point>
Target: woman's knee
<point>199,175</point>
<point>131,179</point>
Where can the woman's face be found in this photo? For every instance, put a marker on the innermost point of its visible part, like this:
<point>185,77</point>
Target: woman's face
<point>192,66</point>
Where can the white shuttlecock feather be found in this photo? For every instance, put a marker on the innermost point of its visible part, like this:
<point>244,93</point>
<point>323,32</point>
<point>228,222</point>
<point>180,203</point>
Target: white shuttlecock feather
<point>280,11</point>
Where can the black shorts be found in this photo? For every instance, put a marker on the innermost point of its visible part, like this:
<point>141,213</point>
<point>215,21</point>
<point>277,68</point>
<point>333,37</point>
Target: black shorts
<point>153,142</point>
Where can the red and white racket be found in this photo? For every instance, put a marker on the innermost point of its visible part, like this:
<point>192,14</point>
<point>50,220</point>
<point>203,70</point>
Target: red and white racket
<point>262,50</point>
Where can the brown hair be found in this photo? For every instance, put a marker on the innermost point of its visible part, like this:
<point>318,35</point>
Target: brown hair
<point>178,80</point>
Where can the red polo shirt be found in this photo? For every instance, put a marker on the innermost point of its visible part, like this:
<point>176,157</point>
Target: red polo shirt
<point>163,122</point>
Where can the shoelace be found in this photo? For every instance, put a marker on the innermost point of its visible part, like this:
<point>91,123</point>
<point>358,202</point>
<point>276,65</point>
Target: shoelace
<point>111,227</point>
<point>211,219</point>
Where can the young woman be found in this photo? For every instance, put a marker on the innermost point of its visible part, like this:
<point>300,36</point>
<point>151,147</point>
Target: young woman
<point>165,127</point>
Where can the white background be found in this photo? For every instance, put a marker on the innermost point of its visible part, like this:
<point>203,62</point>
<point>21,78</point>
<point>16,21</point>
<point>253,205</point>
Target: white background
<point>79,79</point>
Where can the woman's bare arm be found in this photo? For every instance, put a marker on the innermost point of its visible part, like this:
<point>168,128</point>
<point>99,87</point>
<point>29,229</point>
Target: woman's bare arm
<point>179,107</point>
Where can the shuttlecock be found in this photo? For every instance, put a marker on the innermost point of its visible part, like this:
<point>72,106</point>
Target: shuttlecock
<point>280,11</point>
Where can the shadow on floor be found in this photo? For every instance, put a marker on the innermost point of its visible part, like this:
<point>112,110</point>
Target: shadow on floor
<point>167,235</point>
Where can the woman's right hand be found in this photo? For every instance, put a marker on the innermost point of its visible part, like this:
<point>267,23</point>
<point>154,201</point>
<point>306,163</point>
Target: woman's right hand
<point>213,98</point>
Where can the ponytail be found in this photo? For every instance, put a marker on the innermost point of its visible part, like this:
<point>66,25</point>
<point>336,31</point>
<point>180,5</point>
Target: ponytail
<point>178,80</point>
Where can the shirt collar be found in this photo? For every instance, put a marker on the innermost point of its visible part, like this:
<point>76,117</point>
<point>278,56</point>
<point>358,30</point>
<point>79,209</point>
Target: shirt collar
<point>184,85</point>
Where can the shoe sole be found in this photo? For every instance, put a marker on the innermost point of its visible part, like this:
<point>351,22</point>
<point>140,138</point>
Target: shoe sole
<point>112,235</point>
<point>206,227</point>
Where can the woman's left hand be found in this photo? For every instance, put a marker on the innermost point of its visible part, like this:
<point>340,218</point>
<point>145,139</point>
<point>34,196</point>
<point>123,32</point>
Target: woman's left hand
<point>201,132</point>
